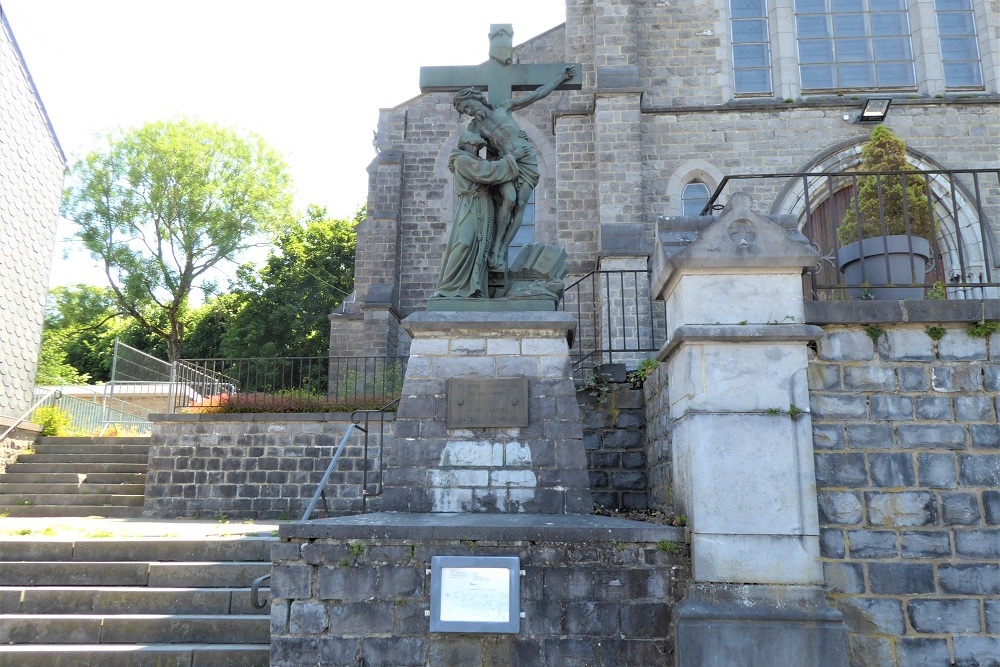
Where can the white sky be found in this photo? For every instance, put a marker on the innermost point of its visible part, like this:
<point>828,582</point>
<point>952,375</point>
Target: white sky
<point>309,76</point>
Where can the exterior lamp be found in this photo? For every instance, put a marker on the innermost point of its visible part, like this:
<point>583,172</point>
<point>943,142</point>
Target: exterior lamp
<point>875,110</point>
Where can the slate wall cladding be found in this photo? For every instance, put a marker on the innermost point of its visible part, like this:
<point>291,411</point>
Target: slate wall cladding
<point>612,607</point>
<point>907,451</point>
<point>30,190</point>
<point>256,466</point>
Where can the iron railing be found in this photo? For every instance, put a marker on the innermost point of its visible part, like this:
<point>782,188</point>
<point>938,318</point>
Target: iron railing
<point>92,410</point>
<point>618,321</point>
<point>964,204</point>
<point>289,384</point>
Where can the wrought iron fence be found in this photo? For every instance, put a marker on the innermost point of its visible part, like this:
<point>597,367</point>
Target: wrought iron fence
<point>964,211</point>
<point>288,384</point>
<point>618,321</point>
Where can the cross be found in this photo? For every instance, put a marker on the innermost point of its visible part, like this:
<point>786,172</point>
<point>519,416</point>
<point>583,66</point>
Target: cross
<point>498,75</point>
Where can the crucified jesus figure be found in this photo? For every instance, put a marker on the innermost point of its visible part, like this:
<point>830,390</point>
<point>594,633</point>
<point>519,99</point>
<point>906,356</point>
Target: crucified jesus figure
<point>497,125</point>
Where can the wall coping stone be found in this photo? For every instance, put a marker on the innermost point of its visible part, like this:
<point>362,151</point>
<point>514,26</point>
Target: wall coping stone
<point>870,312</point>
<point>739,333</point>
<point>6,422</point>
<point>586,528</point>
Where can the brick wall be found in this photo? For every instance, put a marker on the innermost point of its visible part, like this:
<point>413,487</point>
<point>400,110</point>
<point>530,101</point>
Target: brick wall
<point>259,466</point>
<point>908,473</point>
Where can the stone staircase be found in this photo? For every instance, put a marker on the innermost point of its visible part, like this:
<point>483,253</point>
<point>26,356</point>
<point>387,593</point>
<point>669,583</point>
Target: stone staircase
<point>133,603</point>
<point>77,477</point>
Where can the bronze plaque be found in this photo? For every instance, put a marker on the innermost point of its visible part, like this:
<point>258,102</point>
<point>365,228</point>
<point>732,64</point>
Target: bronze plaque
<point>488,403</point>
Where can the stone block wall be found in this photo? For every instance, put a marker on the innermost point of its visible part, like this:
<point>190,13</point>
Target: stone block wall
<point>588,602</point>
<point>907,451</point>
<point>614,435</point>
<point>259,466</point>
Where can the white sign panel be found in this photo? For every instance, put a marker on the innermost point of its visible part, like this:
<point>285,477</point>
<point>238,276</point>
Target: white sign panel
<point>475,594</point>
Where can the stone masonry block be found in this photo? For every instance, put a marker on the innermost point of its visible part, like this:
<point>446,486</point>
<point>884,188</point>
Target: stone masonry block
<point>290,581</point>
<point>907,345</point>
<point>343,582</point>
<point>937,408</point>
<point>960,509</point>
<point>925,544</point>
<point>872,544</point>
<point>938,471</point>
<point>869,378</point>
<point>991,505</point>
<point>985,436</point>
<point>976,651</point>
<point>840,507</point>
<point>828,436</point>
<point>837,406</point>
<point>973,579</point>
<point>913,378</point>
<point>944,616</point>
<point>848,345</point>
<point>979,469</point>
<point>914,652</point>
<point>840,577</point>
<point>891,407</point>
<point>823,376</point>
<point>831,543</point>
<point>308,618</point>
<point>983,544</point>
<point>865,615</point>
<point>965,378</point>
<point>892,470</point>
<point>958,345</point>
<point>841,470</point>
<point>932,436</point>
<point>901,578</point>
<point>909,508</point>
<point>869,436</point>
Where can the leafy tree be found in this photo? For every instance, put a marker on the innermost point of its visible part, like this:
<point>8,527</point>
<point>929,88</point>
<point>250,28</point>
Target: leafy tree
<point>81,323</point>
<point>285,307</point>
<point>163,204</point>
<point>886,152</point>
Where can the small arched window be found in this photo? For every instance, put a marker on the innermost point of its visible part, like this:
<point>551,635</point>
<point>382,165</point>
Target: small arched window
<point>694,197</point>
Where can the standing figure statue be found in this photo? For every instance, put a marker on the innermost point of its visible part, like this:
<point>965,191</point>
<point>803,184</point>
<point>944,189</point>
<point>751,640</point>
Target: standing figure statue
<point>464,270</point>
<point>497,125</point>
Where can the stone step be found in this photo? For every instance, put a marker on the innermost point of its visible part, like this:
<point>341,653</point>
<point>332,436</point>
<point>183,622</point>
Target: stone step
<point>72,478</point>
<point>84,488</point>
<point>190,574</point>
<point>123,512</point>
<point>127,628</point>
<point>103,499</point>
<point>113,448</point>
<point>89,457</point>
<point>239,550</point>
<point>87,440</point>
<point>76,468</point>
<point>129,600</point>
<point>147,655</point>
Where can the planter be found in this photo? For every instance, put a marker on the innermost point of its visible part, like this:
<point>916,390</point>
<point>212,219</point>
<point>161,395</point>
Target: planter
<point>871,266</point>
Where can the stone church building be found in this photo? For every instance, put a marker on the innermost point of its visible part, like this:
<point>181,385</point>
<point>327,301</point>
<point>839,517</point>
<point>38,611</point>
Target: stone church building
<point>676,96</point>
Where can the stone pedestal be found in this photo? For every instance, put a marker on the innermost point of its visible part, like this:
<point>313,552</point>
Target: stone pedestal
<point>538,468</point>
<point>742,446</point>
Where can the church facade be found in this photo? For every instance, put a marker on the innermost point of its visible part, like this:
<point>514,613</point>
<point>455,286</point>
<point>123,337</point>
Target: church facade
<point>676,97</point>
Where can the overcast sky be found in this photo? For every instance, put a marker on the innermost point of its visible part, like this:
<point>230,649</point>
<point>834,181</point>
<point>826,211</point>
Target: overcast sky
<point>309,76</point>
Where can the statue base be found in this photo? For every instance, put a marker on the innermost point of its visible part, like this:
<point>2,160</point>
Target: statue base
<point>502,305</point>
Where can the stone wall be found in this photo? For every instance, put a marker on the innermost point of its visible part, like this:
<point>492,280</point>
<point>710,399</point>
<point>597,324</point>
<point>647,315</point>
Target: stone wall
<point>614,434</point>
<point>20,439</point>
<point>907,451</point>
<point>260,466</point>
<point>590,596</point>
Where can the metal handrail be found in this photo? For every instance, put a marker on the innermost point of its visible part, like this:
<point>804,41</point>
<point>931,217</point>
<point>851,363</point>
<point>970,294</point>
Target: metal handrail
<point>365,494</point>
<point>321,487</point>
<point>57,394</point>
<point>255,592</point>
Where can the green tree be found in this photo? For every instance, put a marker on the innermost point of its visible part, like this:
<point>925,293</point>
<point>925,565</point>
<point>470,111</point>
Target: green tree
<point>284,308</point>
<point>885,152</point>
<point>81,322</point>
<point>162,205</point>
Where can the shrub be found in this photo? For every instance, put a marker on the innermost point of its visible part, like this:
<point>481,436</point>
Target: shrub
<point>53,420</point>
<point>886,152</point>
<point>281,402</point>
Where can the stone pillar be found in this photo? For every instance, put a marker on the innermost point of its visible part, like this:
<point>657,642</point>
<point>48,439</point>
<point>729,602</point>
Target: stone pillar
<point>537,468</point>
<point>742,447</point>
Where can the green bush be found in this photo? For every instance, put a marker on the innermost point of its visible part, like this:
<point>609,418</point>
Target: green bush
<point>53,420</point>
<point>886,152</point>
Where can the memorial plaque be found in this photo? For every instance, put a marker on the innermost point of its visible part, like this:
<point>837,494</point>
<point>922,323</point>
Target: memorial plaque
<point>495,403</point>
<point>475,594</point>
